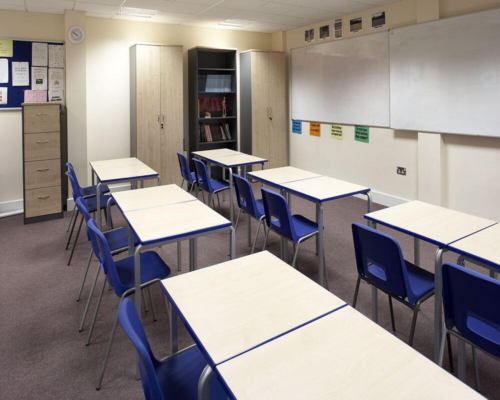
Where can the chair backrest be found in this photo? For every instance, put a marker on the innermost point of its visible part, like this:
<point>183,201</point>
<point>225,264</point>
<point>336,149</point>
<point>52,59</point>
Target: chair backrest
<point>379,258</point>
<point>202,177</point>
<point>106,258</point>
<point>470,301</point>
<point>131,324</point>
<point>278,216</point>
<point>82,207</point>
<point>244,195</point>
<point>74,184</point>
<point>184,165</point>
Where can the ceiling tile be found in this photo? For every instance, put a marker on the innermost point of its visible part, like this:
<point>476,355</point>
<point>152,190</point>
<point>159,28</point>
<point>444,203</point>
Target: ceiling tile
<point>242,4</point>
<point>11,7</point>
<point>54,4</point>
<point>253,16</point>
<point>107,2</point>
<point>47,10</point>
<point>95,8</point>
<point>163,21</point>
<point>98,15</point>
<point>204,2</point>
<point>299,3</point>
<point>169,16</point>
<point>184,8</point>
<point>147,4</point>
<point>313,13</point>
<point>19,3</point>
<point>380,2</point>
<point>221,12</point>
<point>288,20</point>
<point>127,18</point>
<point>275,8</point>
<point>264,25</point>
<point>341,6</point>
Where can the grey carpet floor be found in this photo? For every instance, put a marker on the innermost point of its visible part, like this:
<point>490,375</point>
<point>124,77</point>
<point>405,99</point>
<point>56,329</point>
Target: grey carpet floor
<point>43,356</point>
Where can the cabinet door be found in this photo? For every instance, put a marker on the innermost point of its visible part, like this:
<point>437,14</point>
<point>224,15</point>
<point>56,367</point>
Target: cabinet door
<point>172,133</point>
<point>260,104</point>
<point>148,107</point>
<point>278,127</point>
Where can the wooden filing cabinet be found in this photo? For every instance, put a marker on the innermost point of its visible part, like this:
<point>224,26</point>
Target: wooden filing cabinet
<point>42,162</point>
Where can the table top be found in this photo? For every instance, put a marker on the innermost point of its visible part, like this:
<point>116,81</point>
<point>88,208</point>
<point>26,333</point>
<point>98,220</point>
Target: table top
<point>324,188</point>
<point>235,160</point>
<point>174,221</point>
<point>278,176</point>
<point>122,170</point>
<point>237,305</point>
<point>155,196</point>
<point>438,225</point>
<point>216,152</point>
<point>483,246</point>
<point>343,355</point>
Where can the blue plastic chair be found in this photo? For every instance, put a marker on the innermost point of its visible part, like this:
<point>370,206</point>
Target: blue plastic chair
<point>470,302</point>
<point>120,276</point>
<point>106,202</point>
<point>295,228</point>
<point>186,173</point>
<point>248,204</point>
<point>87,192</point>
<point>212,186</point>
<point>172,378</point>
<point>380,262</point>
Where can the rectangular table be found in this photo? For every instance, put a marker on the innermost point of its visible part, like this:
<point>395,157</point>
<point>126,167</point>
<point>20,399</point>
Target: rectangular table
<point>313,187</point>
<point>230,159</point>
<point>236,306</point>
<point>119,170</point>
<point>437,225</point>
<point>342,355</point>
<point>156,224</point>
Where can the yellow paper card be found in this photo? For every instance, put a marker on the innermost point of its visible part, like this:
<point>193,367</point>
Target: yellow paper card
<point>337,132</point>
<point>6,48</point>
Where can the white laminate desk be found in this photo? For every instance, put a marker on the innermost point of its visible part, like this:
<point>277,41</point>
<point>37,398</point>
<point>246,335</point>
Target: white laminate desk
<point>342,355</point>
<point>235,306</point>
<point>277,176</point>
<point>119,170</point>
<point>437,225</point>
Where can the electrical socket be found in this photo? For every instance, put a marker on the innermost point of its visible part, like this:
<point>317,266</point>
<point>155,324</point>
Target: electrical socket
<point>401,171</point>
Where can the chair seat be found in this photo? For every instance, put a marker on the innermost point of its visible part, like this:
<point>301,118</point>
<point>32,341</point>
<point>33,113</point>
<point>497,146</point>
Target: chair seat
<point>193,178</point>
<point>92,190</point>
<point>92,202</point>
<point>303,226</point>
<point>178,377</point>
<point>219,184</point>
<point>152,267</point>
<point>118,239</point>
<point>421,281</point>
<point>259,212</point>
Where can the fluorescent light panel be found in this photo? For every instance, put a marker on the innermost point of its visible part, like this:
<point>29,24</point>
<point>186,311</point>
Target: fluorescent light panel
<point>137,12</point>
<point>237,23</point>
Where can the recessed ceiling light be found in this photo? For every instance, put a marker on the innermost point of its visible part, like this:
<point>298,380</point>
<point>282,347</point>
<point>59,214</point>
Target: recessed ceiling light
<point>237,23</point>
<point>137,12</point>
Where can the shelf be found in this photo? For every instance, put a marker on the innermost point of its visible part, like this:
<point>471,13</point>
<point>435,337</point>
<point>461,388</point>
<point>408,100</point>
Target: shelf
<point>216,92</point>
<point>217,69</point>
<point>208,119</point>
<point>217,141</point>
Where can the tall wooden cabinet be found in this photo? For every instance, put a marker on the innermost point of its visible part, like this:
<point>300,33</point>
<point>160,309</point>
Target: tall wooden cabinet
<point>263,109</point>
<point>42,161</point>
<point>156,108</point>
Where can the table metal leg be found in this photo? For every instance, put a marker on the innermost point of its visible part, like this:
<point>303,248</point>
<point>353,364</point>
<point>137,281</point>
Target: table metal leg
<point>370,207</point>
<point>203,388</point>
<point>179,256</point>
<point>321,269</point>
<point>98,208</point>
<point>249,222</point>
<point>283,240</point>
<point>232,244</point>
<point>438,302</point>
<point>159,180</point>
<point>223,178</point>
<point>231,205</point>
<point>462,365</point>
<point>191,262</point>
<point>137,279</point>
<point>374,304</point>
<point>416,256</point>
<point>195,254</point>
<point>174,344</point>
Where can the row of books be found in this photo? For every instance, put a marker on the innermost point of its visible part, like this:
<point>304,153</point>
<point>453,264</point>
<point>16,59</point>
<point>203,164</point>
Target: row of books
<point>210,104</point>
<point>214,83</point>
<point>214,133</point>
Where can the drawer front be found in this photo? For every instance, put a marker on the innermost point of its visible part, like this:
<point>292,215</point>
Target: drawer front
<point>42,146</point>
<point>40,174</point>
<point>42,201</point>
<point>38,119</point>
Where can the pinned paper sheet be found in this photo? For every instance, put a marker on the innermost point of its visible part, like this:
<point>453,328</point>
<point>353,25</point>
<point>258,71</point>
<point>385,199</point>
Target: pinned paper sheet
<point>20,73</point>
<point>56,79</point>
<point>297,127</point>
<point>337,132</point>
<point>315,129</point>
<point>56,55</point>
<point>39,55</point>
<point>6,48</point>
<point>56,95</point>
<point>3,95</point>
<point>38,78</point>
<point>35,96</point>
<point>4,70</point>
<point>362,134</point>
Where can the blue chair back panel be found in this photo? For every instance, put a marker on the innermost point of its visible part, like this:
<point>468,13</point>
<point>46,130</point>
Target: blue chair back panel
<point>74,185</point>
<point>202,175</point>
<point>82,207</point>
<point>471,304</point>
<point>379,258</point>
<point>244,195</point>
<point>184,165</point>
<point>278,215</point>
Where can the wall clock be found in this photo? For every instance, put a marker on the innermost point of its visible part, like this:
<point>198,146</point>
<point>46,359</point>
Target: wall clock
<point>76,35</point>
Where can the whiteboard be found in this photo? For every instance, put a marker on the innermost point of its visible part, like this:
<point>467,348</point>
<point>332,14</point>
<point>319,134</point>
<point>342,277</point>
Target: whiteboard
<point>445,75</point>
<point>345,81</point>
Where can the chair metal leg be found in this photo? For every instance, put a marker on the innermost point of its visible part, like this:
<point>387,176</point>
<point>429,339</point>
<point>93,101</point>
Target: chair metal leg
<point>203,195</point>
<point>296,245</point>
<point>392,314</point>
<point>218,201</point>
<point>76,241</point>
<point>265,240</point>
<point>326,273</point>
<point>72,230</point>
<point>90,298</point>
<point>211,200</point>
<point>441,346</point>
<point>191,188</point>
<point>85,275</point>
<point>152,303</point>
<point>71,219</point>
<point>237,220</point>
<point>145,302</point>
<point>450,353</point>
<point>356,292</point>
<point>476,369</point>
<point>413,323</point>
<point>256,235</point>
<point>182,184</point>
<point>96,311</point>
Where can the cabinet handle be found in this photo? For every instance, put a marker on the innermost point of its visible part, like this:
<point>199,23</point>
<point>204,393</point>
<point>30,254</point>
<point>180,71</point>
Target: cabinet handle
<point>163,117</point>
<point>43,169</point>
<point>43,141</point>
<point>158,116</point>
<point>43,197</point>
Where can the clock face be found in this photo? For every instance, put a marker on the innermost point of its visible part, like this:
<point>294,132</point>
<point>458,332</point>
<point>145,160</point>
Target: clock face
<point>76,35</point>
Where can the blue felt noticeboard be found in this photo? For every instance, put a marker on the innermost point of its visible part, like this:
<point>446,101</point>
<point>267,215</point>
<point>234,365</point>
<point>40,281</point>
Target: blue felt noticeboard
<point>21,53</point>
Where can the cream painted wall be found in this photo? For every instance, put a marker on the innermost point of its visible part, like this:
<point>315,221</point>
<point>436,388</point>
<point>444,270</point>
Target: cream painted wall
<point>470,166</point>
<point>108,89</point>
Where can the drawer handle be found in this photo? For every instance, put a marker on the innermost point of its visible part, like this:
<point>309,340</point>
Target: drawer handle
<point>42,114</point>
<point>43,141</point>
<point>43,197</point>
<point>43,169</point>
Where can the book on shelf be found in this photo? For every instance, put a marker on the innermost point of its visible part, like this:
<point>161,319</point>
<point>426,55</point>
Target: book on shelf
<point>214,133</point>
<point>204,104</point>
<point>202,82</point>
<point>214,83</point>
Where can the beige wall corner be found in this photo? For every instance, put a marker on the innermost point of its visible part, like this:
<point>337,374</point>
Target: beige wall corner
<point>431,169</point>
<point>427,10</point>
<point>76,95</point>
<point>278,41</point>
